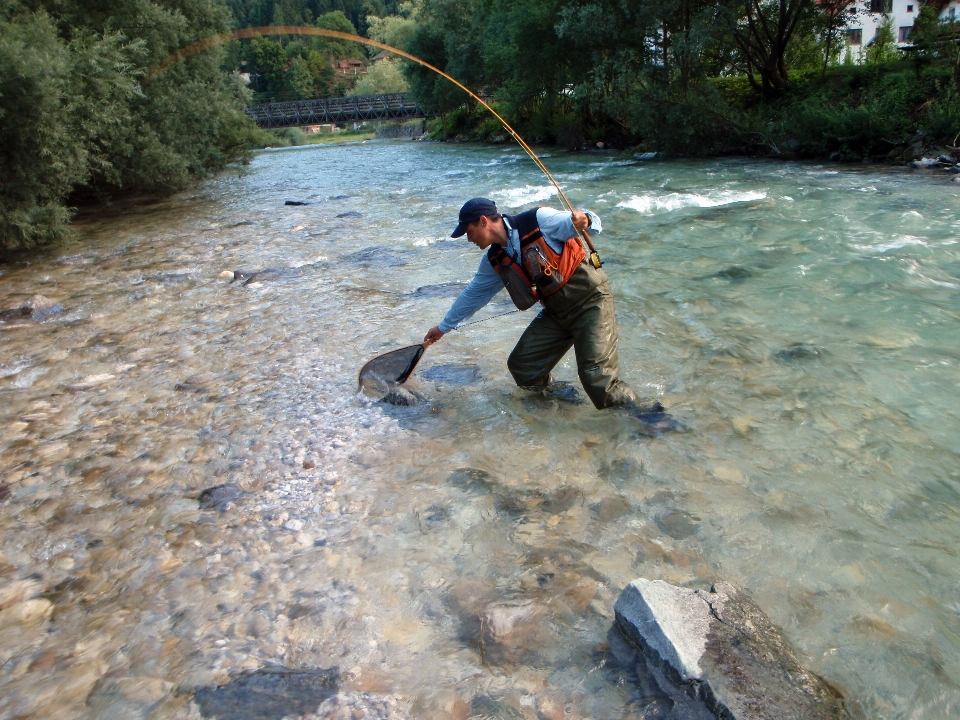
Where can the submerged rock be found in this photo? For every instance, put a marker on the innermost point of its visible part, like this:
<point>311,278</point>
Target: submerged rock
<point>218,496</point>
<point>369,706</point>
<point>723,651</point>
<point>296,203</point>
<point>798,351</point>
<point>510,630</point>
<point>735,273</point>
<point>472,479</point>
<point>453,374</point>
<point>375,255</point>
<point>440,290</point>
<point>401,397</point>
<point>36,308</point>
<point>269,694</point>
<point>246,277</point>
<point>350,214</point>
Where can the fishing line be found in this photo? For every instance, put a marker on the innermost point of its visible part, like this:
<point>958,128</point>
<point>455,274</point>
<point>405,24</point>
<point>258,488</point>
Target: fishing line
<point>244,33</point>
<point>477,322</point>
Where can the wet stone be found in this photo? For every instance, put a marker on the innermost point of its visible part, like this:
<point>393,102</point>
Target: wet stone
<point>296,203</point>
<point>655,695</point>
<point>198,383</point>
<point>350,214</point>
<point>798,352</point>
<point>217,497</point>
<point>510,631</point>
<point>611,508</point>
<point>472,479</point>
<point>453,374</point>
<point>127,697</point>
<point>485,706</point>
<point>441,290</point>
<point>378,255</point>
<point>620,470</point>
<point>248,277</point>
<point>435,514</point>
<point>36,308</point>
<point>367,706</point>
<point>174,278</point>
<point>720,649</point>
<point>735,273</point>
<point>677,524</point>
<point>401,397</point>
<point>561,499</point>
<point>268,694</point>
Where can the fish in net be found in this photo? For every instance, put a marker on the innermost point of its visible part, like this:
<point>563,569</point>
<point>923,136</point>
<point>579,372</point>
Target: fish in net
<point>390,369</point>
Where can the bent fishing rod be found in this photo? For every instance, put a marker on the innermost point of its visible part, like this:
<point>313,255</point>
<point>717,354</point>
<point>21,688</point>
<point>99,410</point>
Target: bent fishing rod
<point>244,33</point>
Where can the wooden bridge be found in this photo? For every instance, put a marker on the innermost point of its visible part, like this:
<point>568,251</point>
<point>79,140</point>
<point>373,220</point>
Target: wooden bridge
<point>335,110</point>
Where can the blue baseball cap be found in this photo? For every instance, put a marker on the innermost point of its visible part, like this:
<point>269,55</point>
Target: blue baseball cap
<point>471,211</point>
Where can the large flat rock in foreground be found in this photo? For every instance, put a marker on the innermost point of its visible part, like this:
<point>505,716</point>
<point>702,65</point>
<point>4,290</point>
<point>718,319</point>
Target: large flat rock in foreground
<point>727,653</point>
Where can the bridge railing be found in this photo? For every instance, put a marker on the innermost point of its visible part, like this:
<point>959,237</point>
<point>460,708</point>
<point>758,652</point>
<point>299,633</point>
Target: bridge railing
<point>334,110</point>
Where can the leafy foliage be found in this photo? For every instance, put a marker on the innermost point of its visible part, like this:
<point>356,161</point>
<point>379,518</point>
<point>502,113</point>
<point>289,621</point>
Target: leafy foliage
<point>80,122</point>
<point>382,77</point>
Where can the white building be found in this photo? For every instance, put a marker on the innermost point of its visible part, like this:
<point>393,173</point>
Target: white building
<point>951,11</point>
<point>865,16</point>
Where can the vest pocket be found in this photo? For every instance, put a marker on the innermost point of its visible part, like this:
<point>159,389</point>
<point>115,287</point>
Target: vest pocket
<point>521,293</point>
<point>546,275</point>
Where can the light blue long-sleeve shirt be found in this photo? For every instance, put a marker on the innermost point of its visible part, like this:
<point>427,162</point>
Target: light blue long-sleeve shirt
<point>557,228</point>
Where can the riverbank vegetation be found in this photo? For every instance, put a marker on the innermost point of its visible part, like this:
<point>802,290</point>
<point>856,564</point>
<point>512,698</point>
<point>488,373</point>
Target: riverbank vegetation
<point>83,121</point>
<point>691,78</point>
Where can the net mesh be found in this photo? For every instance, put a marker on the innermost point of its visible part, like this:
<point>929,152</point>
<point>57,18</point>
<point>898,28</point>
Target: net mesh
<point>390,369</point>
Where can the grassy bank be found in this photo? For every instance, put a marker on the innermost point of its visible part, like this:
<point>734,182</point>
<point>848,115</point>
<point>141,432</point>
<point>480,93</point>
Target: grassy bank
<point>288,137</point>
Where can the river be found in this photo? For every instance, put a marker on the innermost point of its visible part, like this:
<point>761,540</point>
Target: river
<point>800,320</point>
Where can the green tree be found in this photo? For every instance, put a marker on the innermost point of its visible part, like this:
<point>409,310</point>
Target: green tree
<point>883,48</point>
<point>763,31</point>
<point>392,30</point>
<point>79,121</point>
<point>382,77</point>
<point>323,73</point>
<point>299,80</point>
<point>269,62</point>
<point>336,20</point>
<point>935,40</point>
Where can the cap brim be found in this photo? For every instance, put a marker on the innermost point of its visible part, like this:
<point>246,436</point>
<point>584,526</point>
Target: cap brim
<point>460,230</point>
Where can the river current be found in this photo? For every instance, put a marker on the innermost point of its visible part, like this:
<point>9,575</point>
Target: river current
<point>802,322</point>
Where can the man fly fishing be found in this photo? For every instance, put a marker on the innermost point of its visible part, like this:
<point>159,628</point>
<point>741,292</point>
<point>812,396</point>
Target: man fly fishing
<point>538,257</point>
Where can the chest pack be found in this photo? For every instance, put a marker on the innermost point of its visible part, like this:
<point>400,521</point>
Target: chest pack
<point>541,271</point>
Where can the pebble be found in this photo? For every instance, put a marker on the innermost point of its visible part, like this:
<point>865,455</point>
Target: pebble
<point>357,706</point>
<point>30,612</point>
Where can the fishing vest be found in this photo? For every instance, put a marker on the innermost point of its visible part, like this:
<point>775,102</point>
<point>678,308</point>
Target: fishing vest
<point>541,271</point>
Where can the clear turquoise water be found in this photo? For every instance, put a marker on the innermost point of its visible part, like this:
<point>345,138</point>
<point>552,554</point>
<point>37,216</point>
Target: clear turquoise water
<point>801,320</point>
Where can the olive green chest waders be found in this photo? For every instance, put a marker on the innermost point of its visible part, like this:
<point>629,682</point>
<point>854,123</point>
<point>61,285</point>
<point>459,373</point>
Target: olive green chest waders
<point>580,314</point>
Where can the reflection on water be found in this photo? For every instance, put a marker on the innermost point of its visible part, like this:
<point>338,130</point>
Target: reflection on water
<point>461,557</point>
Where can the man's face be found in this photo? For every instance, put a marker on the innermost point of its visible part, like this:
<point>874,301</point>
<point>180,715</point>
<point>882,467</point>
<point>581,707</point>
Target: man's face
<point>483,233</point>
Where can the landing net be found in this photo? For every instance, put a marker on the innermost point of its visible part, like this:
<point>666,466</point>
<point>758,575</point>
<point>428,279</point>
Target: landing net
<point>393,368</point>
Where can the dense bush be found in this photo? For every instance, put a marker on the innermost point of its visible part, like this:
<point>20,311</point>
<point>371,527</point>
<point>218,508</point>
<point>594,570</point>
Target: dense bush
<point>79,121</point>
